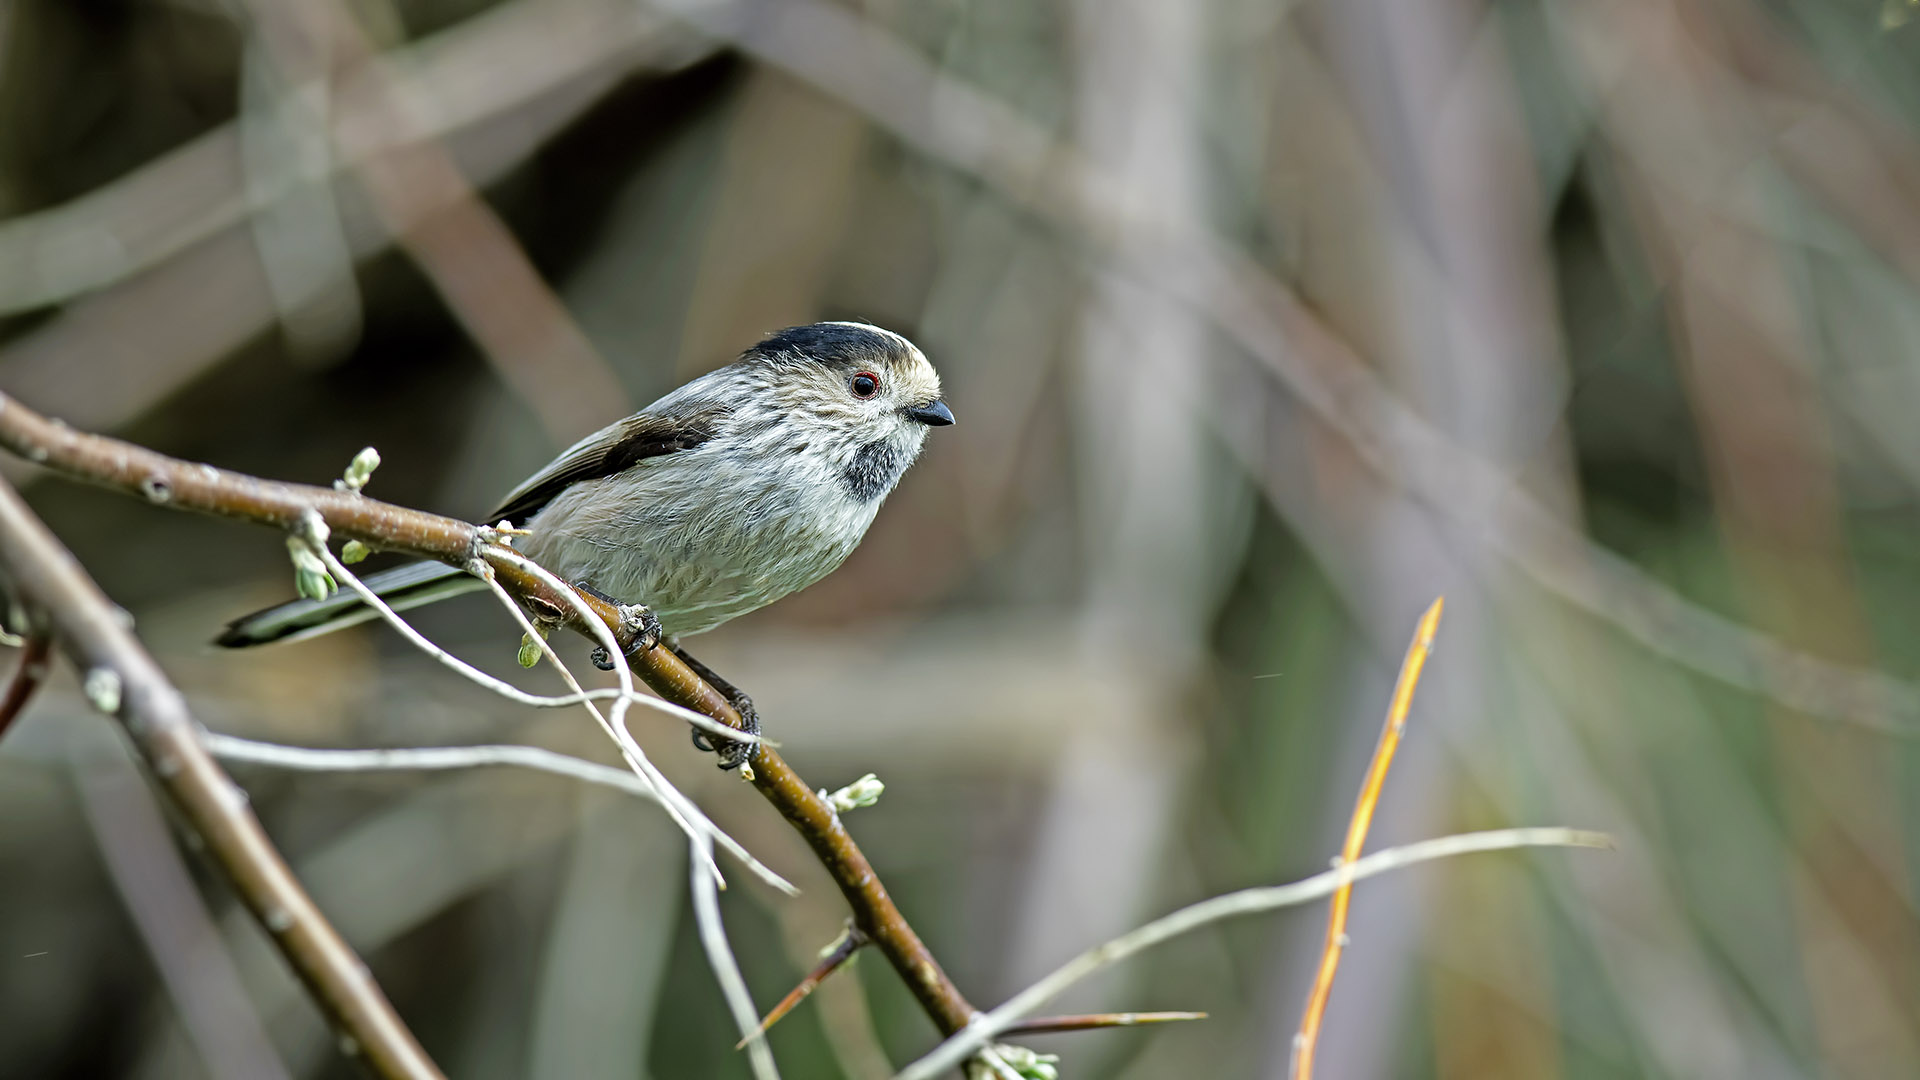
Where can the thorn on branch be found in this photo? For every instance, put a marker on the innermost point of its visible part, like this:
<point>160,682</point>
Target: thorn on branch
<point>832,958</point>
<point>1043,1025</point>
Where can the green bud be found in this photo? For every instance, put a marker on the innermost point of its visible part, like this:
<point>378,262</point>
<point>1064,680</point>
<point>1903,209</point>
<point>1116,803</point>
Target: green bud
<point>1028,1064</point>
<point>354,551</point>
<point>862,792</point>
<point>360,469</point>
<point>530,653</point>
<point>310,577</point>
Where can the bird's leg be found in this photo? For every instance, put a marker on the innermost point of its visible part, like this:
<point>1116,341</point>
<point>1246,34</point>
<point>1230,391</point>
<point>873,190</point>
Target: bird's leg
<point>637,624</point>
<point>732,754</point>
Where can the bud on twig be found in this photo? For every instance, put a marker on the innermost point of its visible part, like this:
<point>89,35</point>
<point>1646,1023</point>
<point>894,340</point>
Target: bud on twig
<point>310,577</point>
<point>359,470</point>
<point>1024,1063</point>
<point>862,792</point>
<point>530,651</point>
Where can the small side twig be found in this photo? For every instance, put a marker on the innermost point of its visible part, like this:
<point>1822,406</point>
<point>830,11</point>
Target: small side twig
<point>1402,701</point>
<point>832,959</point>
<point>28,674</point>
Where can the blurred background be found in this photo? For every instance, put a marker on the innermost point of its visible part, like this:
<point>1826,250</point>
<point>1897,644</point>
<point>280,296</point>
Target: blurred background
<point>1265,324</point>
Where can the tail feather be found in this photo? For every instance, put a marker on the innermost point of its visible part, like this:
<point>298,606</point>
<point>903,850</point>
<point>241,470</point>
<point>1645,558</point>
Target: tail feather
<point>402,587</point>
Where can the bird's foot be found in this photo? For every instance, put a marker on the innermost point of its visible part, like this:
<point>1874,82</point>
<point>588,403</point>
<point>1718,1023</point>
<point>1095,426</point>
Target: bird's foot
<point>732,754</point>
<point>638,627</point>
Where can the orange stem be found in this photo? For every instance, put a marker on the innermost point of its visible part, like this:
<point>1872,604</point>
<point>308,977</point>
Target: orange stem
<point>1423,634</point>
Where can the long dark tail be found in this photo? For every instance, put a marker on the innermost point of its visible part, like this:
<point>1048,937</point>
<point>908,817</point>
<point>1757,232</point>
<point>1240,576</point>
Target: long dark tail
<point>402,587</point>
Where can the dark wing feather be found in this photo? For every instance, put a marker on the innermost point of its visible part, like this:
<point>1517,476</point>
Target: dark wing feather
<point>611,450</point>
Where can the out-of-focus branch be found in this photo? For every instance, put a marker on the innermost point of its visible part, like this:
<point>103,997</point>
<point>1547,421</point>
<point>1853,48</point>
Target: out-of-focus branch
<point>151,873</point>
<point>28,674</point>
<point>456,80</point>
<point>123,680</point>
<point>1376,779</point>
<point>457,240</point>
<point>857,61</point>
<point>494,88</point>
<point>1245,902</point>
<point>183,485</point>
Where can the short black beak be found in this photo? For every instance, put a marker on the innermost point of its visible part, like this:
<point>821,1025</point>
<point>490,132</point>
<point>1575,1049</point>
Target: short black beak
<point>932,414</point>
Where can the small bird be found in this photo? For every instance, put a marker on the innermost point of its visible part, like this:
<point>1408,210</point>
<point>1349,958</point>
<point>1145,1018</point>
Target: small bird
<point>748,483</point>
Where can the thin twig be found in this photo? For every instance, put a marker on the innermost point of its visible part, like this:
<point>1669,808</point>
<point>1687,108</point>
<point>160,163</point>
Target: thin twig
<point>678,805</point>
<point>1244,902</point>
<point>122,679</point>
<point>204,489</point>
<point>28,674</point>
<point>832,959</point>
<point>713,938</point>
<point>424,759</point>
<point>500,686</point>
<point>1043,1025</point>
<point>1403,688</point>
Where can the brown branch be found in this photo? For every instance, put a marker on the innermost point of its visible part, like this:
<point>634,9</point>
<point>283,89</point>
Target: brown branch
<point>27,677</point>
<point>182,485</point>
<point>123,679</point>
<point>833,959</point>
<point>1043,1025</point>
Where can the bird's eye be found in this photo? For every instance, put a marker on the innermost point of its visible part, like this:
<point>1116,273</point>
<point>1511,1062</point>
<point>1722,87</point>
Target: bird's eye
<point>865,385</point>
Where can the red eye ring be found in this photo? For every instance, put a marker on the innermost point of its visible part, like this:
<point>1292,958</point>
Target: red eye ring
<point>864,385</point>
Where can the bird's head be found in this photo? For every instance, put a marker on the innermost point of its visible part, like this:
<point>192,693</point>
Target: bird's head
<point>869,395</point>
<point>859,377</point>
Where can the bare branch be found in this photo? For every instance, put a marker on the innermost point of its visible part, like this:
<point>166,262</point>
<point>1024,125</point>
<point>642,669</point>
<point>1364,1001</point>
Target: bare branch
<point>713,938</point>
<point>122,679</point>
<point>1245,902</point>
<point>681,808</point>
<point>204,489</point>
<point>424,759</point>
